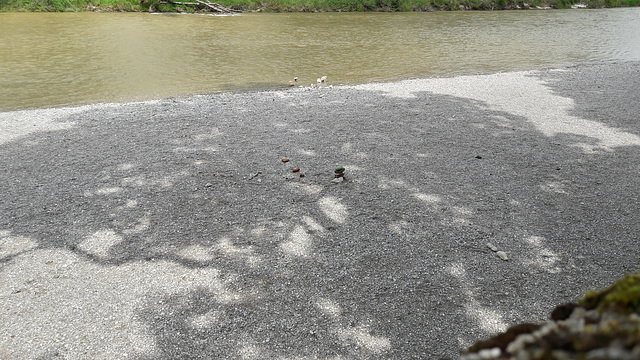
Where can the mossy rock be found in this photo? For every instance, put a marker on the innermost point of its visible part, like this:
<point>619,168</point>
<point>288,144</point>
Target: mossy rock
<point>623,296</point>
<point>603,325</point>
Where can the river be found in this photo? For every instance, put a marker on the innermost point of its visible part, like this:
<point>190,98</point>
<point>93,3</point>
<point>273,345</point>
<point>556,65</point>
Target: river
<point>56,59</point>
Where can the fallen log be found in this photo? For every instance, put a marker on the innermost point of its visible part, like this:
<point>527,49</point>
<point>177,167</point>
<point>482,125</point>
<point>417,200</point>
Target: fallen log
<point>213,6</point>
<point>178,3</point>
<point>217,7</point>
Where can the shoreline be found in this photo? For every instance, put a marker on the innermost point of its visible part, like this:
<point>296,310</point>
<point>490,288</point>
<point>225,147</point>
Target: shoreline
<point>322,87</point>
<point>228,6</point>
<point>173,228</point>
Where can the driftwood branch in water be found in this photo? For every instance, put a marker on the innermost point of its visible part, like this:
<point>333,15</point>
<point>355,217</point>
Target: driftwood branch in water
<point>214,6</point>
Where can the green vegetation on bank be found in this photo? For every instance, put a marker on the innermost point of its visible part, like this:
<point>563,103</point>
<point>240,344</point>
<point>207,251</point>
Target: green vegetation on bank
<point>301,5</point>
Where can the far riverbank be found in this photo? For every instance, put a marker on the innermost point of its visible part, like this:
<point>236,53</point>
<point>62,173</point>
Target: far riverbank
<point>304,5</point>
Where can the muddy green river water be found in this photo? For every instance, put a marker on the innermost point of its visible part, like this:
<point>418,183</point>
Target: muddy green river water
<point>75,58</point>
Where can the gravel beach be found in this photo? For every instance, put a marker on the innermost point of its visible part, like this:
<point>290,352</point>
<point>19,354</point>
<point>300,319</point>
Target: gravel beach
<point>172,229</point>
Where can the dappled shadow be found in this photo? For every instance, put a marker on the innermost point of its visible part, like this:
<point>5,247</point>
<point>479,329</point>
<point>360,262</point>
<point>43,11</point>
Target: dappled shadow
<point>177,232</point>
<point>603,99</point>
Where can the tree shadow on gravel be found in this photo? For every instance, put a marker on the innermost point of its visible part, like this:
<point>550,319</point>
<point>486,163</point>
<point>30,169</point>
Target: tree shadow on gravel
<point>391,263</point>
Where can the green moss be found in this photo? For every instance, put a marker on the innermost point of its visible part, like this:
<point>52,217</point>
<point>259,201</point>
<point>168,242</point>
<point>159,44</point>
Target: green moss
<point>623,296</point>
